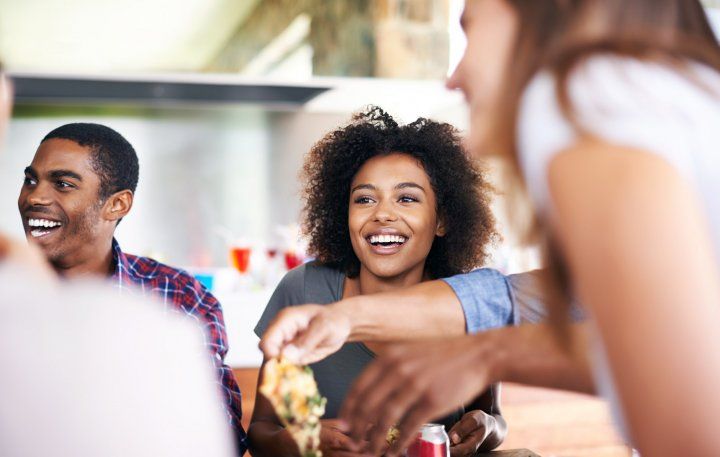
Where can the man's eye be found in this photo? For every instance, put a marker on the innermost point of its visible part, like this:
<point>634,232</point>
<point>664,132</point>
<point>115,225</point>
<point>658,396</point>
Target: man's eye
<point>363,200</point>
<point>64,185</point>
<point>29,181</point>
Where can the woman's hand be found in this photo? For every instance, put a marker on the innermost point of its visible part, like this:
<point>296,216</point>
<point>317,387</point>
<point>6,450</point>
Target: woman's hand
<point>470,433</point>
<point>411,384</point>
<point>335,443</point>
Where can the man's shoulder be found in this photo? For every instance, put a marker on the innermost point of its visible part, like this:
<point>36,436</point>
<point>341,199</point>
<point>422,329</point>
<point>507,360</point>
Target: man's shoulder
<point>147,268</point>
<point>169,284</point>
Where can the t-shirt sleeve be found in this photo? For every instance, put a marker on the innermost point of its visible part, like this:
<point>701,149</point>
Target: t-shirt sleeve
<point>623,101</point>
<point>485,298</point>
<point>528,296</point>
<point>290,292</point>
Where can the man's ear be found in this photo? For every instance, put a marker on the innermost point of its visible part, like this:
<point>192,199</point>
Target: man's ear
<point>118,205</point>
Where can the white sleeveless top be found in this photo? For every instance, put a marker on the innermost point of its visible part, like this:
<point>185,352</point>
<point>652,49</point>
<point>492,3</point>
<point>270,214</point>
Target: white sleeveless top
<point>635,104</point>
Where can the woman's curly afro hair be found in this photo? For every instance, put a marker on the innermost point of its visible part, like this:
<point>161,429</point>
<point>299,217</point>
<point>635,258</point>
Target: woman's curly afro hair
<point>462,193</point>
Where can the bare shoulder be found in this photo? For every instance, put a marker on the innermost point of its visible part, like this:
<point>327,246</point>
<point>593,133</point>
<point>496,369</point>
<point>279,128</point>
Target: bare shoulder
<point>597,178</point>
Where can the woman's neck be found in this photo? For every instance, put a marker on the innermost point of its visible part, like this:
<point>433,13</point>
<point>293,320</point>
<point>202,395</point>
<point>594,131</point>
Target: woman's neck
<point>368,283</point>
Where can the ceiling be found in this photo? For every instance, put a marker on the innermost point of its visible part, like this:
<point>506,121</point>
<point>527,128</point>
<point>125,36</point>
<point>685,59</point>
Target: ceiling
<point>108,36</point>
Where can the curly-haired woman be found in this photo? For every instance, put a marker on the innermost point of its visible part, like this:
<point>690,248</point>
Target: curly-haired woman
<point>386,206</point>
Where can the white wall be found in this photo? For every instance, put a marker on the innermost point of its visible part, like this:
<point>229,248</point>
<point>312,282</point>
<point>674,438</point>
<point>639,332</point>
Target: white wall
<point>198,169</point>
<point>294,133</point>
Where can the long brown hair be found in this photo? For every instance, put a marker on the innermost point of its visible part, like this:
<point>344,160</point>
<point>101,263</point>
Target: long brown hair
<point>557,35</point>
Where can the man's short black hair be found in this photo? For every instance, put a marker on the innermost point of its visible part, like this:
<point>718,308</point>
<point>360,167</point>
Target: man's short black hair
<point>113,157</point>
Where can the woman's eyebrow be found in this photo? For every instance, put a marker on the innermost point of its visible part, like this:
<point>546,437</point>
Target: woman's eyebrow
<point>405,185</point>
<point>363,186</point>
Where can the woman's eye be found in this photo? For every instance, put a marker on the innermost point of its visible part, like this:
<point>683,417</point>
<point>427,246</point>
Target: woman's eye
<point>408,199</point>
<point>363,200</point>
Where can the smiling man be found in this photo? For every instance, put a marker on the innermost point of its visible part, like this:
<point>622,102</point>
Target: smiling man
<point>78,365</point>
<point>77,189</point>
<point>79,186</point>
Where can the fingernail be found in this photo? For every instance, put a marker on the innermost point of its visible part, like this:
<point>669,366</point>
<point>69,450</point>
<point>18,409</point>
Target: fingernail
<point>455,438</point>
<point>343,426</point>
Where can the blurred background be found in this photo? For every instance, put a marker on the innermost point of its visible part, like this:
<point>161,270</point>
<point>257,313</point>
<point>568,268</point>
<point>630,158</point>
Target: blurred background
<point>222,99</point>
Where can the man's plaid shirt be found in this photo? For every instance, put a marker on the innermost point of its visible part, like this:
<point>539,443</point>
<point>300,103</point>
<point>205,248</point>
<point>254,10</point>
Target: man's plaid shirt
<point>179,290</point>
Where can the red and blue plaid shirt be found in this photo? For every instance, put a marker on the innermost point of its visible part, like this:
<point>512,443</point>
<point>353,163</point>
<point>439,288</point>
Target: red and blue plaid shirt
<point>179,290</point>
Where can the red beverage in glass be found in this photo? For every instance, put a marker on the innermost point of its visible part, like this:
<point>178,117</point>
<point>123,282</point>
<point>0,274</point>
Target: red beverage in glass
<point>240,258</point>
<point>431,441</point>
<point>292,260</point>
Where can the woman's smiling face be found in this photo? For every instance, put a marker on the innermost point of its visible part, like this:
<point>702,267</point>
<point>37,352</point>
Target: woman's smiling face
<point>392,216</point>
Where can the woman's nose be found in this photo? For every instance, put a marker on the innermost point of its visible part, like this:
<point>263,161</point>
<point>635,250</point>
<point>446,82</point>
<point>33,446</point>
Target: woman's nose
<point>385,212</point>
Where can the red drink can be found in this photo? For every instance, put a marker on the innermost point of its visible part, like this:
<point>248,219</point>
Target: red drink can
<point>432,441</point>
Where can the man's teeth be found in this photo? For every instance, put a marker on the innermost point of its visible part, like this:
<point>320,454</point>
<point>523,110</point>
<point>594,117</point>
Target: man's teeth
<point>43,223</point>
<point>387,239</point>
<point>39,232</point>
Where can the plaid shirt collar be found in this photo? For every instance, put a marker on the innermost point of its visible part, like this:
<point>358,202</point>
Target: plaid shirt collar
<point>122,271</point>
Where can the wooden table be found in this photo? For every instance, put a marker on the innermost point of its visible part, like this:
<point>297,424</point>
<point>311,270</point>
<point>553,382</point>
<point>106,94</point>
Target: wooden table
<point>509,453</point>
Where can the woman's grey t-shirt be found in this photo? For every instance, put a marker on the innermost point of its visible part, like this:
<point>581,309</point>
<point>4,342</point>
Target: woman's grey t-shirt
<point>322,285</point>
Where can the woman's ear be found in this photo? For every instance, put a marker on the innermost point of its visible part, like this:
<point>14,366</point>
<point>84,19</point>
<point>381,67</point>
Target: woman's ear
<point>118,205</point>
<point>440,230</point>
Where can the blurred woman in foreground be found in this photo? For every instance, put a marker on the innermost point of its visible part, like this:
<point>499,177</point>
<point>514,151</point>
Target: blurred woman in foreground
<point>609,111</point>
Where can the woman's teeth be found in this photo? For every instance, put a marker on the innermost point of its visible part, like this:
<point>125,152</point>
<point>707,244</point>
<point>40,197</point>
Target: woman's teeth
<point>387,239</point>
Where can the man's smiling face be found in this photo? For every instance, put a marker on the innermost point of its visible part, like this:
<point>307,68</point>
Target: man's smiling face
<point>60,203</point>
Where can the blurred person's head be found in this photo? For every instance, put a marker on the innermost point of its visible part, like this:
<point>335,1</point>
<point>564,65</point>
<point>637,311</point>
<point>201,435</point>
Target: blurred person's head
<point>6,96</point>
<point>80,184</point>
<point>395,199</point>
<point>5,108</point>
<point>508,41</point>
